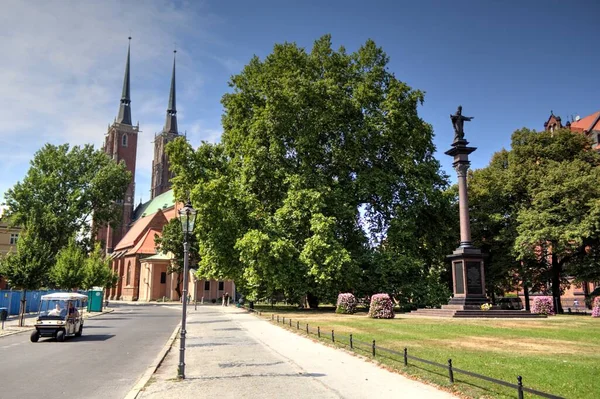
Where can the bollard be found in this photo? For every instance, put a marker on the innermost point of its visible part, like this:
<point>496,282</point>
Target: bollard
<point>307,329</point>
<point>318,331</point>
<point>290,322</point>
<point>297,325</point>
<point>351,343</point>
<point>405,356</point>
<point>277,318</point>
<point>520,386</point>
<point>332,337</point>
<point>373,348</point>
<point>272,316</point>
<point>283,322</point>
<point>450,372</point>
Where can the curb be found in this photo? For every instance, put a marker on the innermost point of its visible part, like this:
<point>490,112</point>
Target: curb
<point>141,383</point>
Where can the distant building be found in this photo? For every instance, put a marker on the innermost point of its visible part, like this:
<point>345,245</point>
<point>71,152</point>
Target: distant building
<point>144,274</point>
<point>9,235</point>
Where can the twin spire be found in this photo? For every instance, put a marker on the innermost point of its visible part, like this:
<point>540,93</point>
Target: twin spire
<point>171,122</point>
<point>125,106</point>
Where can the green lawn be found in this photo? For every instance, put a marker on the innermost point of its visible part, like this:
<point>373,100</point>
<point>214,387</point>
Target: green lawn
<point>559,355</point>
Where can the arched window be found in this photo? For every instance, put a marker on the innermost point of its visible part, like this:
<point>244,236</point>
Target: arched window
<point>124,140</point>
<point>128,280</point>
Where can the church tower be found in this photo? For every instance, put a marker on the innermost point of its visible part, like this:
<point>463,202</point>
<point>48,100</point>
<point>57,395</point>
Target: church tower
<point>121,145</point>
<point>161,176</point>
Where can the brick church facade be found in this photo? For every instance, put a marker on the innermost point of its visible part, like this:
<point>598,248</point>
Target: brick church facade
<point>143,273</point>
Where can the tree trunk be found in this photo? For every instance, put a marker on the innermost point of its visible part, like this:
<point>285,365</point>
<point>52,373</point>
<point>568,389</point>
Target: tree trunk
<point>526,292</point>
<point>22,309</point>
<point>178,286</point>
<point>556,273</point>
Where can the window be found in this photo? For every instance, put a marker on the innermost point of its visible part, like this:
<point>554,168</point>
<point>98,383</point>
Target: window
<point>207,285</point>
<point>221,286</point>
<point>163,277</point>
<point>124,140</point>
<point>128,277</point>
<point>14,237</point>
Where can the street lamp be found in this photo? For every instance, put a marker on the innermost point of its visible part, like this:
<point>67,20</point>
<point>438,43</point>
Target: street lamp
<point>187,216</point>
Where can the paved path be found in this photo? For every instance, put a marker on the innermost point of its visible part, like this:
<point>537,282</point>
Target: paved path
<point>233,354</point>
<point>114,351</point>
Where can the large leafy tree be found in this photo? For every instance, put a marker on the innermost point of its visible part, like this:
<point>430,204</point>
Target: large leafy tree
<point>63,189</point>
<point>543,207</point>
<point>98,272</point>
<point>323,160</point>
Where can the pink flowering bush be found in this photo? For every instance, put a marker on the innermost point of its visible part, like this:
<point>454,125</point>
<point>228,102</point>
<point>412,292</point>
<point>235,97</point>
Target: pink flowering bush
<point>596,307</point>
<point>346,303</point>
<point>542,305</point>
<point>381,307</point>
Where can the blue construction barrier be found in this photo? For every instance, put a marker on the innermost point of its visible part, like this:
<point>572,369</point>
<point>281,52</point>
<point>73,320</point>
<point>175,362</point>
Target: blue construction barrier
<point>11,300</point>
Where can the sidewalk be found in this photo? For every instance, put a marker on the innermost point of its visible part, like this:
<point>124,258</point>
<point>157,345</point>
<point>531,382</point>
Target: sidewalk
<point>233,354</point>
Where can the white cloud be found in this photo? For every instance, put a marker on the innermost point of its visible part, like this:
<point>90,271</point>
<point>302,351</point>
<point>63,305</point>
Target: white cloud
<point>63,71</point>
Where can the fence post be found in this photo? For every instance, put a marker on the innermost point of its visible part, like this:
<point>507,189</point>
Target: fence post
<point>373,348</point>
<point>351,343</point>
<point>332,336</point>
<point>450,371</point>
<point>405,356</point>
<point>520,386</point>
<point>319,331</point>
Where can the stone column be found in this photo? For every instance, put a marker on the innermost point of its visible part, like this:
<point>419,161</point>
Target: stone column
<point>463,203</point>
<point>467,260</point>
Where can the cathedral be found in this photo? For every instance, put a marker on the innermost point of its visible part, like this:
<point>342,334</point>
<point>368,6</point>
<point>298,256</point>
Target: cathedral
<point>144,274</point>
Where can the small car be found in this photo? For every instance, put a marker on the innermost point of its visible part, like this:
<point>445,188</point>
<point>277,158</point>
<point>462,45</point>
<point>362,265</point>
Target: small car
<point>60,316</point>
<point>510,304</point>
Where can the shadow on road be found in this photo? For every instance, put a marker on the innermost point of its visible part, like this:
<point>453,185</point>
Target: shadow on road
<point>95,337</point>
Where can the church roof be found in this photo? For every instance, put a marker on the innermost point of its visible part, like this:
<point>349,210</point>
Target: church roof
<point>587,124</point>
<point>164,201</point>
<point>155,220</point>
<point>146,244</point>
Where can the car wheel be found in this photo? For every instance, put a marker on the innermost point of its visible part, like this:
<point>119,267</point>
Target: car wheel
<point>35,336</point>
<point>60,336</point>
<point>78,333</point>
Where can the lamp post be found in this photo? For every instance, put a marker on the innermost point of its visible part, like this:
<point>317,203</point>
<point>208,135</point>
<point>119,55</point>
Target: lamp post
<point>187,216</point>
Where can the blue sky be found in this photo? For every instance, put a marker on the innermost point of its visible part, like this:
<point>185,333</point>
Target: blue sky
<point>507,62</point>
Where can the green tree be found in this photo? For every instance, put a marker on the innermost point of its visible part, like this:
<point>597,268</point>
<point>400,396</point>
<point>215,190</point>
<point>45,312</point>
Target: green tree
<point>171,241</point>
<point>27,268</point>
<point>63,189</point>
<point>97,271</point>
<point>322,152</point>
<point>69,271</point>
<point>537,207</point>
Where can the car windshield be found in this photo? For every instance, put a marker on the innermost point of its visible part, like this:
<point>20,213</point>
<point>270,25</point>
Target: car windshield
<point>53,309</point>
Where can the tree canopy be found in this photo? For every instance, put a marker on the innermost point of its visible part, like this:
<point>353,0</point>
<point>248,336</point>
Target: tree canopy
<point>63,189</point>
<point>324,164</point>
<point>538,206</point>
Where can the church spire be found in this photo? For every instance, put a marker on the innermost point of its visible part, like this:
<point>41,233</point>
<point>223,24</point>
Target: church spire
<point>125,109</point>
<point>171,122</point>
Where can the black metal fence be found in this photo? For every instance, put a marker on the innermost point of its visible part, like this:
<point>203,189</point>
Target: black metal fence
<point>404,357</point>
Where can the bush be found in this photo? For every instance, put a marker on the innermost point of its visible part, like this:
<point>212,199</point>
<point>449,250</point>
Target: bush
<point>346,303</point>
<point>542,305</point>
<point>381,307</point>
<point>596,308</point>
<point>213,300</point>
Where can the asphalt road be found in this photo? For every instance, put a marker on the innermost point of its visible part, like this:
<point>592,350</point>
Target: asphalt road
<point>114,351</point>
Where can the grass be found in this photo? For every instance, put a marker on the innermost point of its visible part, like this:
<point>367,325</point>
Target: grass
<point>559,355</point>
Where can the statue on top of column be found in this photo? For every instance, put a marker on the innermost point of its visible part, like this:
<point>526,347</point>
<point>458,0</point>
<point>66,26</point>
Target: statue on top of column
<point>458,121</point>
